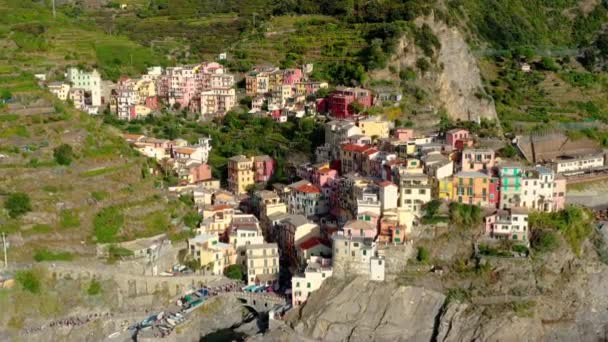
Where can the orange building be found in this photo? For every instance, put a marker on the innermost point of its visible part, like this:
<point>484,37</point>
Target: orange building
<point>471,187</point>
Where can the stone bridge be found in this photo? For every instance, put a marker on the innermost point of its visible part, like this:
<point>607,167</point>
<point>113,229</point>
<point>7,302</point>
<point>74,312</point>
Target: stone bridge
<point>260,302</point>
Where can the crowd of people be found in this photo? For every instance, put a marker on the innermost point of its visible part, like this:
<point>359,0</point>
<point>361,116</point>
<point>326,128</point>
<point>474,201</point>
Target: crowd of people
<point>69,322</point>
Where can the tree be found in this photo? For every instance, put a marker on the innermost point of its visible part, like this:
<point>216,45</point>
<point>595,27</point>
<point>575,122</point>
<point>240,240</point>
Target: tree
<point>29,281</point>
<point>63,154</point>
<point>6,95</point>
<point>234,272</point>
<point>548,63</point>
<point>18,204</point>
<point>423,255</point>
<point>432,207</point>
<point>423,64</point>
<point>355,107</point>
<point>509,151</point>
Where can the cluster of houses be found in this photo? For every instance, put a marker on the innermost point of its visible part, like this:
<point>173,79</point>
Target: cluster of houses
<point>282,93</point>
<point>203,88</point>
<point>83,88</point>
<point>366,192</point>
<point>188,162</point>
<point>206,88</point>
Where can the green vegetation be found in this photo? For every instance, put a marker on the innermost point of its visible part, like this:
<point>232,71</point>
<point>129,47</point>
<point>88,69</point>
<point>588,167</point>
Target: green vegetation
<point>423,255</point>
<point>116,252</point>
<point>94,288</point>
<point>430,213</point>
<point>42,228</point>
<point>99,195</point>
<point>69,219</point>
<point>46,255</point>
<point>63,154</point>
<point>574,224</point>
<point>488,250</point>
<point>463,215</point>
<point>155,223</point>
<point>29,281</point>
<point>17,204</point>
<point>241,133</point>
<point>523,309</point>
<point>192,219</point>
<point>107,223</point>
<point>458,295</point>
<point>234,272</point>
<point>544,241</point>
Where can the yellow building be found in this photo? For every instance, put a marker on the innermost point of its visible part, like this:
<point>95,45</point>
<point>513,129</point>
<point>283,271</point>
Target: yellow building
<point>374,126</point>
<point>240,174</point>
<point>145,88</point>
<point>216,219</point>
<point>211,253</point>
<point>445,188</point>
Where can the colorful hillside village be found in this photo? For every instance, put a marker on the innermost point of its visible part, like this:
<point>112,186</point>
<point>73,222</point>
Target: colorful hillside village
<point>357,208</point>
<point>209,90</point>
<point>363,199</point>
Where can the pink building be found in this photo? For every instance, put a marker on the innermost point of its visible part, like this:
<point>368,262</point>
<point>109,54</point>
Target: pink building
<point>338,103</point>
<point>391,232</point>
<point>263,167</point>
<point>323,176</point>
<point>292,76</point>
<point>197,172</point>
<point>151,102</point>
<point>477,160</point>
<point>357,228</point>
<point>453,136</point>
<point>404,134</point>
<point>559,195</point>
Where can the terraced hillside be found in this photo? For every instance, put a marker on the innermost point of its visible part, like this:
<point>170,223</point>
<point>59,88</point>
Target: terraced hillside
<point>106,193</point>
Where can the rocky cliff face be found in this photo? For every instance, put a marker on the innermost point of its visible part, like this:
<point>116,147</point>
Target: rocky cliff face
<point>454,82</point>
<point>556,297</point>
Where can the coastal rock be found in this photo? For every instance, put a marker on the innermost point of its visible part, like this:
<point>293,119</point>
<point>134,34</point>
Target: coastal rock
<point>370,311</point>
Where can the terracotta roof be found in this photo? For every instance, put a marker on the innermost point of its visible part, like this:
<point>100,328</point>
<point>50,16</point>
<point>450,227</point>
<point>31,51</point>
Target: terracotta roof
<point>308,188</point>
<point>355,147</point>
<point>185,150</point>
<point>219,207</point>
<point>312,242</point>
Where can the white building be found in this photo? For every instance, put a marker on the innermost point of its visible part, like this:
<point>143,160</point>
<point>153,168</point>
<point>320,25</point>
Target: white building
<point>89,81</point>
<point>245,230</point>
<point>577,163</point>
<point>508,225</point>
<point>60,89</point>
<point>262,263</point>
<point>377,266</point>
<point>415,191</point>
<point>302,285</point>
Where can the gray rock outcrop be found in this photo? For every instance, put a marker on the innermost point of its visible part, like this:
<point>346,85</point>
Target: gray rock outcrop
<point>454,83</point>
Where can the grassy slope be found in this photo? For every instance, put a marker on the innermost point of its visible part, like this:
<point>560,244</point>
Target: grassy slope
<point>106,171</point>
